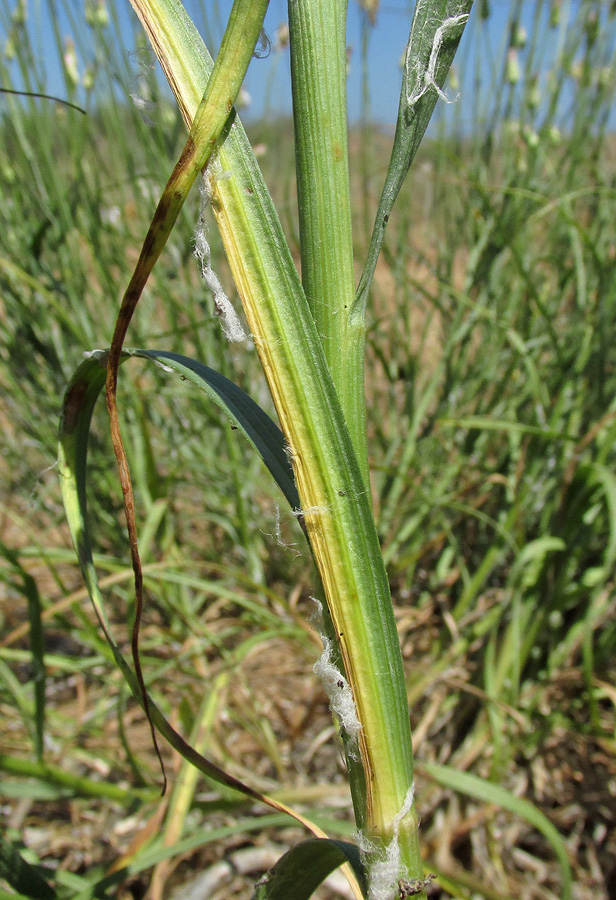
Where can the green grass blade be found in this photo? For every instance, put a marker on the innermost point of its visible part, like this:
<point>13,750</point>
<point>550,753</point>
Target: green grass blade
<point>211,117</point>
<point>6,895</point>
<point>475,787</point>
<point>300,871</point>
<point>216,107</point>
<point>255,424</point>
<point>435,34</point>
<point>37,648</point>
<point>79,401</point>
<point>485,423</point>
<point>318,80</point>
<point>76,785</point>
<point>199,838</point>
<point>600,476</point>
<point>265,436</point>
<point>25,878</point>
<point>337,509</point>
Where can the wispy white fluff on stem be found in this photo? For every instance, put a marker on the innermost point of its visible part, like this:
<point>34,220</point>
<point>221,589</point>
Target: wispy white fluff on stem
<point>229,319</point>
<point>310,511</point>
<point>278,533</point>
<point>428,80</point>
<point>335,684</point>
<point>384,870</point>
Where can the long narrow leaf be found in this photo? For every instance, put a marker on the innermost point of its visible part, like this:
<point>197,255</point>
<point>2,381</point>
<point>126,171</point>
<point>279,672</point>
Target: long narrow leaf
<point>299,872</point>
<point>238,44</point>
<point>337,508</point>
<point>79,401</point>
<point>22,876</point>
<point>255,424</point>
<point>89,379</point>
<point>475,787</point>
<point>435,34</point>
<point>196,839</point>
<point>30,591</point>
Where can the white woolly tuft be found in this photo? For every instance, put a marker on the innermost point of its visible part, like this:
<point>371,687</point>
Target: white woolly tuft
<point>278,533</point>
<point>428,79</point>
<point>310,511</point>
<point>145,61</point>
<point>141,103</point>
<point>384,872</point>
<point>335,684</point>
<point>277,528</point>
<point>216,171</point>
<point>229,319</point>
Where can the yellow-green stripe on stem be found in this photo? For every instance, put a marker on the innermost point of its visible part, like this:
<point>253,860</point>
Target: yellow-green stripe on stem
<point>338,513</point>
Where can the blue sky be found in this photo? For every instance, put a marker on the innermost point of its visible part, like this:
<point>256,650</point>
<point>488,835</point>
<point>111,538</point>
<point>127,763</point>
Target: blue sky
<point>482,50</point>
<point>267,80</point>
<point>386,46</point>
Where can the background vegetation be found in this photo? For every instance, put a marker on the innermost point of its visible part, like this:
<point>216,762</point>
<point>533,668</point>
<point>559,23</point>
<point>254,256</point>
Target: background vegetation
<point>492,386</point>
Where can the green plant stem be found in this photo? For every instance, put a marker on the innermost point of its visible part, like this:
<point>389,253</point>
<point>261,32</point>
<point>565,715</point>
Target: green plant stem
<point>318,79</point>
<point>210,117</point>
<point>84,787</point>
<point>336,509</point>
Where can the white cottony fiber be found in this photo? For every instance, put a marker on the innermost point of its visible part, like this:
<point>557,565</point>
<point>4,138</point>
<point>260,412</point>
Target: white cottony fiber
<point>229,319</point>
<point>278,533</point>
<point>384,871</point>
<point>141,103</point>
<point>427,80</point>
<point>335,684</point>
<point>310,511</point>
<point>338,690</point>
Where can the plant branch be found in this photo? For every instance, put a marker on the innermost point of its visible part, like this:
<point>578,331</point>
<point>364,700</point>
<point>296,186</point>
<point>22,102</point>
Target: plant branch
<point>243,30</point>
